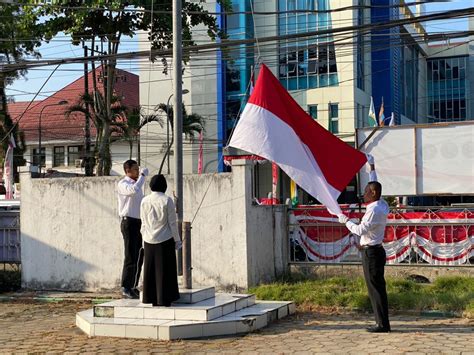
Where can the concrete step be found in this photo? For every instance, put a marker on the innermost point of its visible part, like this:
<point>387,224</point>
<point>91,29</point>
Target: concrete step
<point>195,295</point>
<point>209,309</point>
<point>245,320</point>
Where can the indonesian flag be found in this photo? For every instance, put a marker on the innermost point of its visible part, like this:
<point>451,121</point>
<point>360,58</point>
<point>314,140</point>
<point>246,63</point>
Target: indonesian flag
<point>276,128</point>
<point>200,160</point>
<point>8,169</point>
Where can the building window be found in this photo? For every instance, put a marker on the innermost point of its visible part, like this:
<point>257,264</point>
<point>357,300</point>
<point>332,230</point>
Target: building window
<point>35,158</point>
<point>73,154</point>
<point>313,111</point>
<point>409,82</point>
<point>447,89</point>
<point>58,157</point>
<point>334,118</point>
<point>311,63</point>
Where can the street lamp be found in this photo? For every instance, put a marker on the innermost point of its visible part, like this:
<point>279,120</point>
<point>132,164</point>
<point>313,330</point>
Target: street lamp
<point>62,102</point>
<point>185,91</point>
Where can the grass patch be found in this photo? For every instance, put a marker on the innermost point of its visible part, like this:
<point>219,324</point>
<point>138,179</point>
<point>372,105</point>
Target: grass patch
<point>447,294</point>
<point>10,280</point>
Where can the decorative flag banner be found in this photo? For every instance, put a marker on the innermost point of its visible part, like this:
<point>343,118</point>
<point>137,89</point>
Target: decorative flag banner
<point>8,169</point>
<point>392,120</point>
<point>201,139</point>
<point>276,128</point>
<point>439,238</point>
<point>293,193</point>
<point>274,180</point>
<point>372,118</point>
<point>381,115</point>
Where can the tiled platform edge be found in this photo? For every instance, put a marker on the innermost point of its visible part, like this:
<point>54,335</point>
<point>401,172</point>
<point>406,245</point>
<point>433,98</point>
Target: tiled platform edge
<point>132,319</point>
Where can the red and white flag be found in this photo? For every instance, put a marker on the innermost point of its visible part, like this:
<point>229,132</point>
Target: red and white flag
<point>274,182</point>
<point>276,128</point>
<point>8,169</point>
<point>200,162</point>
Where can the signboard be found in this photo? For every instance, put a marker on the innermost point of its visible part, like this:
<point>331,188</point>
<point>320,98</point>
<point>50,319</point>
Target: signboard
<point>421,159</point>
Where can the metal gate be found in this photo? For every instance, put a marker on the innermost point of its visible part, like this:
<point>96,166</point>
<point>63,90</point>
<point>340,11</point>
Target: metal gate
<point>10,237</point>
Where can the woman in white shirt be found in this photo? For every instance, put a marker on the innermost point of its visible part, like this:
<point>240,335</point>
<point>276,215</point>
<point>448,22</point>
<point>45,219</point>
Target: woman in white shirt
<point>160,238</point>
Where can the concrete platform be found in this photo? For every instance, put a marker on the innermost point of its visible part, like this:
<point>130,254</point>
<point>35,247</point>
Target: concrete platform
<point>245,320</point>
<point>222,314</point>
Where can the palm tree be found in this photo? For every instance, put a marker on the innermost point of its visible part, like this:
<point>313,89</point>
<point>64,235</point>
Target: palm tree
<point>103,122</point>
<point>192,125</point>
<point>134,121</point>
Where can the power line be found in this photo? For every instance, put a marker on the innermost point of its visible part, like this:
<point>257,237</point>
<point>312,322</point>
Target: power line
<point>230,43</point>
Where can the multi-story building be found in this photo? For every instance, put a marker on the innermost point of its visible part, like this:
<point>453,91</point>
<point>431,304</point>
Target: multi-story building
<point>332,74</point>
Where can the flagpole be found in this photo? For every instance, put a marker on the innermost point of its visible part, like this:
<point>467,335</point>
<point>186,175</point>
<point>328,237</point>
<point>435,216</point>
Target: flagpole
<point>370,136</point>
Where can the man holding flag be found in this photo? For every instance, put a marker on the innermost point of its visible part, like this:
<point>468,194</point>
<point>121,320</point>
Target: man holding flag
<point>371,231</point>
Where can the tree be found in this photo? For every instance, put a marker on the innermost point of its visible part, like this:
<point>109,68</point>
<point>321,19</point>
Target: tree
<point>94,107</point>
<point>21,36</point>
<point>192,124</point>
<point>107,21</point>
<point>130,127</point>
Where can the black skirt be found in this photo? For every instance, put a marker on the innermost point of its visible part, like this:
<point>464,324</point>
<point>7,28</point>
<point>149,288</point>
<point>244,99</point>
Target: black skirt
<point>160,277</point>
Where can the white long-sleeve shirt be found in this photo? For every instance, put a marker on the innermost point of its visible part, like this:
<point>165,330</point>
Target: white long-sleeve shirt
<point>371,229</point>
<point>158,215</point>
<point>372,176</point>
<point>130,196</point>
<point>372,226</point>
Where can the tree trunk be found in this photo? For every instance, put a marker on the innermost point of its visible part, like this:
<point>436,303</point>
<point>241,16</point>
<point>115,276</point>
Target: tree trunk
<point>137,138</point>
<point>166,155</point>
<point>103,167</point>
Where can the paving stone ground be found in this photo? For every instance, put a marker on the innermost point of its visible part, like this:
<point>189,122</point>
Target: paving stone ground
<point>27,326</point>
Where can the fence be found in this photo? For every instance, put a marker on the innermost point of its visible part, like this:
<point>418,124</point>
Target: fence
<point>10,237</point>
<point>429,237</point>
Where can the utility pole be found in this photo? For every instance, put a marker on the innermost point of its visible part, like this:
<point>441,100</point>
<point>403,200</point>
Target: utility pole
<point>87,129</point>
<point>178,118</point>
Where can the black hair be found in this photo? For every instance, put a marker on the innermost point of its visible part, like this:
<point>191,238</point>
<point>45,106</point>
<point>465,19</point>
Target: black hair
<point>377,187</point>
<point>158,183</point>
<point>128,164</point>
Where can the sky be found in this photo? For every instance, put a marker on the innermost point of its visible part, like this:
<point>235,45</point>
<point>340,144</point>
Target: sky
<point>24,89</point>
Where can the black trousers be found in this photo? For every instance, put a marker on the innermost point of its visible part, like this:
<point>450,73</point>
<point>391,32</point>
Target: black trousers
<point>160,276</point>
<point>373,263</point>
<point>132,263</point>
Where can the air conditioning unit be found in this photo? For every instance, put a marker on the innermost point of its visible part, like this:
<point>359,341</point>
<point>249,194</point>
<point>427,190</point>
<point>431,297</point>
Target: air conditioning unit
<point>78,163</point>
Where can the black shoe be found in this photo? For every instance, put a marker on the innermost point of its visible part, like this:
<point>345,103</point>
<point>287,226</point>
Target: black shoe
<point>128,293</point>
<point>378,329</point>
<point>136,292</point>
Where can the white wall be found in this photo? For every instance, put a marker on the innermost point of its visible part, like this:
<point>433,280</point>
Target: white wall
<point>71,236</point>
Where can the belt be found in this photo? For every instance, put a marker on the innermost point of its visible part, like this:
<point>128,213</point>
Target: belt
<point>371,246</point>
<point>130,218</point>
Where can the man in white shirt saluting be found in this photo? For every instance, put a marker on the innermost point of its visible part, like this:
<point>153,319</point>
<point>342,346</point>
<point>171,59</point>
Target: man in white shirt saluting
<point>130,196</point>
<point>371,231</point>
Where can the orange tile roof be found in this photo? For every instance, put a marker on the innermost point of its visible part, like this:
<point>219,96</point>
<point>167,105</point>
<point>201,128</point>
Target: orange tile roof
<point>54,124</point>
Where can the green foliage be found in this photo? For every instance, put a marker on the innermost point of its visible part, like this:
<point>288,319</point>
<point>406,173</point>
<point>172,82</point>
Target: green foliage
<point>109,20</point>
<point>451,294</point>
<point>21,35</point>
